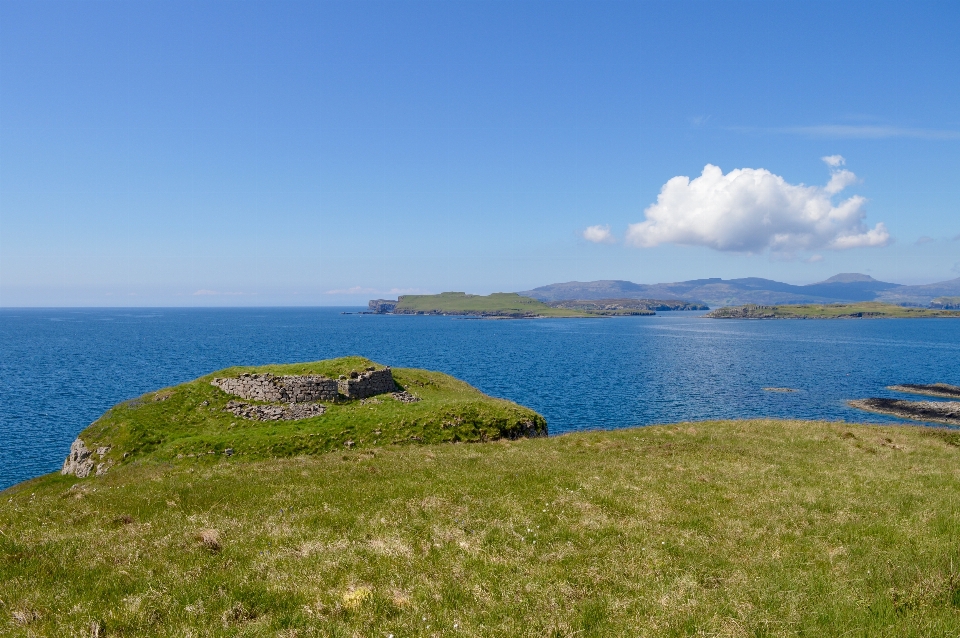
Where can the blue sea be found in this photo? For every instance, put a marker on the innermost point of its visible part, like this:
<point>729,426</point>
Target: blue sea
<point>61,369</point>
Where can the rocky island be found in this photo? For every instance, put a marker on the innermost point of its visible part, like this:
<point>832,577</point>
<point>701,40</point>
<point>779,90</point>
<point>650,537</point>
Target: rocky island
<point>510,305</point>
<point>862,310</point>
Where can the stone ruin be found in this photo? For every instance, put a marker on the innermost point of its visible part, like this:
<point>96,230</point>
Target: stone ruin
<point>308,388</point>
<point>300,393</point>
<point>283,389</point>
<point>360,385</point>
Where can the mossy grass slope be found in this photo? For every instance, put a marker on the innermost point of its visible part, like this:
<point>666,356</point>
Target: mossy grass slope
<point>189,419</point>
<point>498,304</point>
<point>742,528</point>
<point>861,310</point>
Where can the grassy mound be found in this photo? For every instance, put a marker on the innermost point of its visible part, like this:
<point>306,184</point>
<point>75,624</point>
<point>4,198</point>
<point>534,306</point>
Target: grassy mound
<point>189,420</point>
<point>746,528</point>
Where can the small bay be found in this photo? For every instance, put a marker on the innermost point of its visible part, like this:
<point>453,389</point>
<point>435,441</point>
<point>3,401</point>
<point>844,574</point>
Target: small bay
<point>60,369</point>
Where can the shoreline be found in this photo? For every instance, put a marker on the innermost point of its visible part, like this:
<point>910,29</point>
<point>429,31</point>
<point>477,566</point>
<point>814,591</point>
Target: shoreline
<point>947,412</point>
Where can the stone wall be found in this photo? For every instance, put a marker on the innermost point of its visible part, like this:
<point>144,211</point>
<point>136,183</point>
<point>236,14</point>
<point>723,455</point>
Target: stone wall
<point>286,389</point>
<point>308,388</point>
<point>367,384</point>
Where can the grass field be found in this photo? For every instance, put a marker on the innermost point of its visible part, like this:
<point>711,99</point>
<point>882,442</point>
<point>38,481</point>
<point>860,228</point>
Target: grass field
<point>744,528</point>
<point>498,304</point>
<point>860,310</point>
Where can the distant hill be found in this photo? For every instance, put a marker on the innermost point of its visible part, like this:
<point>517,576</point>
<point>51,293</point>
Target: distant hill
<point>845,287</point>
<point>921,295</point>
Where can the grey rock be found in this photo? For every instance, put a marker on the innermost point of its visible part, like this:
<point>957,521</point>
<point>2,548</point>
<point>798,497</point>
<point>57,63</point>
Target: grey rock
<point>79,462</point>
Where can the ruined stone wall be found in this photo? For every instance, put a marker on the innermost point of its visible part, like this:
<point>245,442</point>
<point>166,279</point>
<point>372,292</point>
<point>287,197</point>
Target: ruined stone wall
<point>367,384</point>
<point>308,388</point>
<point>286,389</point>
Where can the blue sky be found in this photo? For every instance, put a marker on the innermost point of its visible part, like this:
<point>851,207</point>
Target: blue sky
<point>261,153</point>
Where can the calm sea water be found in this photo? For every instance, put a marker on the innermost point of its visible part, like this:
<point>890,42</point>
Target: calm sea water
<point>61,369</point>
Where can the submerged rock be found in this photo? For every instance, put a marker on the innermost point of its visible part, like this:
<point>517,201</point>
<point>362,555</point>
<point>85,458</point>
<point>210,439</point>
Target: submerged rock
<point>933,389</point>
<point>939,411</point>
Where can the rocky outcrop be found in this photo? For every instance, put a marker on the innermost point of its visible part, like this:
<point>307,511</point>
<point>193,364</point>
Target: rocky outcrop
<point>933,389</point>
<point>284,389</point>
<point>382,306</point>
<point>946,303</point>
<point>81,461</point>
<point>938,411</point>
<point>405,397</point>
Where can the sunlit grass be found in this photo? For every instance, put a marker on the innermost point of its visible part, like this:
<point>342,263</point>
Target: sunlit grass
<point>745,528</point>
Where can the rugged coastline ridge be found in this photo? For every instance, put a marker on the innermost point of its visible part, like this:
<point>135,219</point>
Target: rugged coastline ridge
<point>864,310</point>
<point>509,305</point>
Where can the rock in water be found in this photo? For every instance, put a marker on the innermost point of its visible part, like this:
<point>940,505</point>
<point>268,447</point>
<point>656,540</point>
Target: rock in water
<point>79,462</point>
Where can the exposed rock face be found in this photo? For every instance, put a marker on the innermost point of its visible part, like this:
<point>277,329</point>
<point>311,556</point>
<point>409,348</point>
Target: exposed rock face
<point>285,389</point>
<point>290,412</point>
<point>382,306</point>
<point>80,462</point>
<point>946,303</point>
<point>367,384</point>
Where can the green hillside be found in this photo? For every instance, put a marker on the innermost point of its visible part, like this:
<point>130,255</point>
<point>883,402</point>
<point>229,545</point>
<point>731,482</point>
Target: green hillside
<point>498,304</point>
<point>189,420</point>
<point>860,310</point>
<point>745,528</point>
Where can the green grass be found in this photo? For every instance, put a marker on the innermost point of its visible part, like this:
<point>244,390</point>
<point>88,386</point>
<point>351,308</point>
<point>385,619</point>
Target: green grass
<point>498,304</point>
<point>860,310</point>
<point>189,419</point>
<point>744,528</point>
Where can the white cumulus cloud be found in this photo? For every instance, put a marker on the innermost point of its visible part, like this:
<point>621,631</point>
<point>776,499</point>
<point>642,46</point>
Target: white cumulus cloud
<point>834,161</point>
<point>752,210</point>
<point>598,234</point>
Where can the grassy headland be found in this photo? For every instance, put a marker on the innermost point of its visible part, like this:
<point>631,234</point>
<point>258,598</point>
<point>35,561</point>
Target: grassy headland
<point>745,528</point>
<point>189,420</point>
<point>625,307</point>
<point>859,310</point>
<point>499,304</point>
